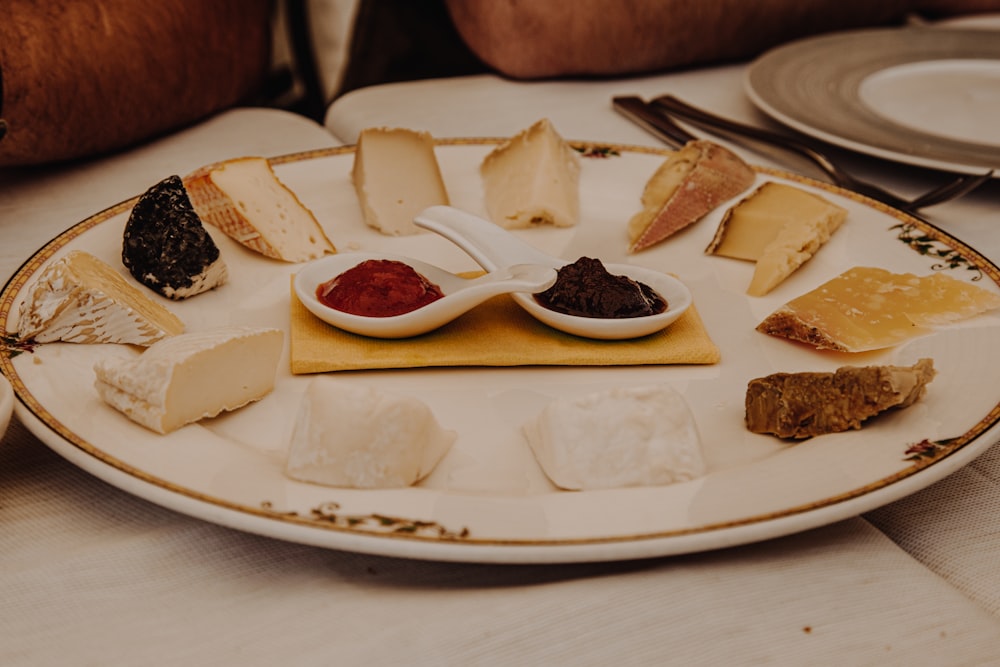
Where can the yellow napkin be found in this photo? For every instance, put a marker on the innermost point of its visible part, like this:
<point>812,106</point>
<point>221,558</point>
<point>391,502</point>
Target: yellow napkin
<point>496,333</point>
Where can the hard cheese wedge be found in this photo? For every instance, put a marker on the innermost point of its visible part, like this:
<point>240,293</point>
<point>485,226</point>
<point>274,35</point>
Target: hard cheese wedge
<point>245,199</point>
<point>780,227</point>
<point>868,308</point>
<point>396,176</point>
<point>186,378</point>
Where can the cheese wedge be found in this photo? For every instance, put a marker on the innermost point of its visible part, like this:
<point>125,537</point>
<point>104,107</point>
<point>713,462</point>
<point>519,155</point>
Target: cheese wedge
<point>780,227</point>
<point>641,436</point>
<point>868,308</point>
<point>81,299</point>
<point>532,179</point>
<point>684,189</point>
<point>803,405</point>
<point>359,437</point>
<point>245,199</point>
<point>183,379</point>
<point>396,175</point>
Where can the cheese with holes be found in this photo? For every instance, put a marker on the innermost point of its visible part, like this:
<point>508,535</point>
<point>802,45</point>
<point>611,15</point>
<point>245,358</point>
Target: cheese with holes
<point>396,176</point>
<point>868,308</point>
<point>641,436</point>
<point>532,179</point>
<point>189,377</point>
<point>81,299</point>
<point>167,248</point>
<point>689,184</point>
<point>244,198</point>
<point>346,435</point>
<point>780,227</point>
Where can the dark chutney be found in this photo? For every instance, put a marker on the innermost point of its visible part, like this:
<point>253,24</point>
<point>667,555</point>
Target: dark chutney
<point>586,289</point>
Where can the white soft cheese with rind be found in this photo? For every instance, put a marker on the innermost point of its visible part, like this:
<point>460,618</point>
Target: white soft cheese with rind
<point>185,378</point>
<point>360,437</point>
<point>623,437</point>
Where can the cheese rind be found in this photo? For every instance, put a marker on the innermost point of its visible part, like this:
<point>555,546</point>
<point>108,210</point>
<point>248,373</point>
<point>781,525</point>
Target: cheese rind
<point>396,176</point>
<point>532,179</point>
<point>244,198</point>
<point>641,436</point>
<point>867,308</point>
<point>780,227</point>
<point>360,437</point>
<point>186,378</point>
<point>81,299</point>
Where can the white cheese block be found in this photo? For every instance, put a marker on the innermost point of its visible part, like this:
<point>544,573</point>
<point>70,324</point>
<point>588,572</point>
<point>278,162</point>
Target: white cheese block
<point>245,199</point>
<point>532,179</point>
<point>186,378</point>
<point>360,437</point>
<point>81,299</point>
<point>642,436</point>
<point>780,227</point>
<point>396,176</point>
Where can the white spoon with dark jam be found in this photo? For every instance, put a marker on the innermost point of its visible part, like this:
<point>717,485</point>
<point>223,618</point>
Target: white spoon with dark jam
<point>389,296</point>
<point>590,299</point>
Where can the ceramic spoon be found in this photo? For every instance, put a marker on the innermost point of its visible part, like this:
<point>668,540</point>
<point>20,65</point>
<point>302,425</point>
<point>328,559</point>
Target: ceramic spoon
<point>494,247</point>
<point>460,294</point>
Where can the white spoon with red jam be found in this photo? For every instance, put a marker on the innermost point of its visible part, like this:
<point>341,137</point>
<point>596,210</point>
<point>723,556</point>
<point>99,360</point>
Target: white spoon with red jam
<point>589,299</point>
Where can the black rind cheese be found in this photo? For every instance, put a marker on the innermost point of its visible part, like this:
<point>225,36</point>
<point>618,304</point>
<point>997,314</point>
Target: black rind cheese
<point>166,246</point>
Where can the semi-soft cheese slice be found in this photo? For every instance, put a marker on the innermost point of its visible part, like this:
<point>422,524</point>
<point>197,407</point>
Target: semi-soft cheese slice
<point>347,435</point>
<point>640,436</point>
<point>244,198</point>
<point>780,227</point>
<point>81,299</point>
<point>867,308</point>
<point>532,179</point>
<point>192,376</point>
<point>396,175</point>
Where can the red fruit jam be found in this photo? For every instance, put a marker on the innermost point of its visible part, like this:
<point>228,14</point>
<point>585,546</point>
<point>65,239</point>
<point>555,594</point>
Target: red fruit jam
<point>378,288</point>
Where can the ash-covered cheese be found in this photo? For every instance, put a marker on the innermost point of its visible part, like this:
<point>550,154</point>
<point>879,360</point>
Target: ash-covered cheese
<point>532,179</point>
<point>642,436</point>
<point>81,299</point>
<point>246,200</point>
<point>346,435</point>
<point>396,176</point>
<point>166,247</point>
<point>183,379</point>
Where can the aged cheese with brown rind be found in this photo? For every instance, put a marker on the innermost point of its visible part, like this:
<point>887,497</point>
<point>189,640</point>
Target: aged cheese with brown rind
<point>780,227</point>
<point>868,308</point>
<point>803,405</point>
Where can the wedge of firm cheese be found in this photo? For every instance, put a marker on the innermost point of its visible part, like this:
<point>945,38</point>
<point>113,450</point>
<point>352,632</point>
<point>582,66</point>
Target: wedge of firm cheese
<point>868,308</point>
<point>689,184</point>
<point>183,379</point>
<point>245,199</point>
<point>81,299</point>
<point>780,227</point>
<point>351,436</point>
<point>396,175</point>
<point>532,179</point>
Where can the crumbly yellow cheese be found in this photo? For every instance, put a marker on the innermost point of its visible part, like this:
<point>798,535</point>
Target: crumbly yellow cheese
<point>868,308</point>
<point>780,227</point>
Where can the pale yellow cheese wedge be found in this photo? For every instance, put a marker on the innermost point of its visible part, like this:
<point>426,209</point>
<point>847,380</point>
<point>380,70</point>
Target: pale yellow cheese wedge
<point>868,308</point>
<point>780,227</point>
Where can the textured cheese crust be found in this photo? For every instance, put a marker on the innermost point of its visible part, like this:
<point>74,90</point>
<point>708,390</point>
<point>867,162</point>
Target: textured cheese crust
<point>643,436</point>
<point>780,227</point>
<point>532,179</point>
<point>868,308</point>
<point>186,378</point>
<point>396,175</point>
<point>358,437</point>
<point>684,189</point>
<point>81,299</point>
<point>245,199</point>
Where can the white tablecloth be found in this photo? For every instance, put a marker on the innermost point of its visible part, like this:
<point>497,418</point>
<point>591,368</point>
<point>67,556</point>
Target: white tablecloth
<point>93,576</point>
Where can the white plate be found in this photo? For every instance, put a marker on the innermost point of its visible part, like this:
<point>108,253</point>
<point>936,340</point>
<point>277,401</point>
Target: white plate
<point>488,501</point>
<point>923,96</point>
